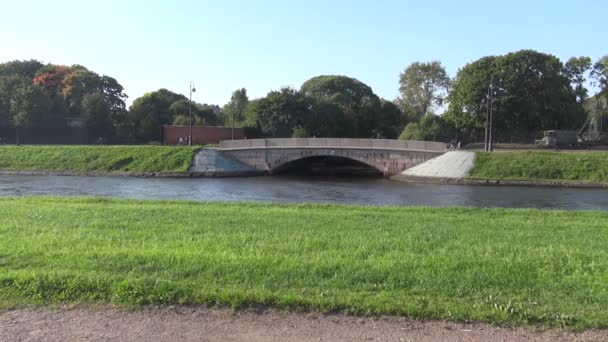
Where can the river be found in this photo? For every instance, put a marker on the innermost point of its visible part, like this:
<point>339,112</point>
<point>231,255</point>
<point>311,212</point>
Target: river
<point>282,189</point>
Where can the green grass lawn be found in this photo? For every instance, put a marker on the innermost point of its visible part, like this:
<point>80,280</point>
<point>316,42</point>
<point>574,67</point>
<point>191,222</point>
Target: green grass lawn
<point>493,265</point>
<point>555,166</point>
<point>97,158</point>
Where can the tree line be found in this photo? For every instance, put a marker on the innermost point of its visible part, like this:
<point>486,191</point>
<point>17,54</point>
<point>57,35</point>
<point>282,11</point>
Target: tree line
<point>531,92</point>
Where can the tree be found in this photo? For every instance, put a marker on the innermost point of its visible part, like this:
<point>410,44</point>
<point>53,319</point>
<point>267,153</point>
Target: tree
<point>27,69</point>
<point>78,82</point>
<point>389,115</point>
<point>67,87</point>
<point>44,95</point>
<point>358,103</point>
<point>97,115</point>
<point>430,127</point>
<point>149,112</point>
<point>531,93</point>
<point>202,115</point>
<point>575,69</point>
<point>234,111</point>
<point>113,94</point>
<point>279,113</point>
<point>423,88</point>
<point>326,119</point>
<point>17,91</point>
<point>600,74</point>
<point>51,78</point>
<point>412,132</point>
<point>27,105</point>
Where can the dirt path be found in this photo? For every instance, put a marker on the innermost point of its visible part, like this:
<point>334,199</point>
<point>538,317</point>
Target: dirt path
<point>198,324</point>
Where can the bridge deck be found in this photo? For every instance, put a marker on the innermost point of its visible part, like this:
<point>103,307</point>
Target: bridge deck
<point>337,143</point>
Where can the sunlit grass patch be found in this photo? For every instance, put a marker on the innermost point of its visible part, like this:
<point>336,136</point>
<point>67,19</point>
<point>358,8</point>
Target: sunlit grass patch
<point>97,158</point>
<point>494,265</point>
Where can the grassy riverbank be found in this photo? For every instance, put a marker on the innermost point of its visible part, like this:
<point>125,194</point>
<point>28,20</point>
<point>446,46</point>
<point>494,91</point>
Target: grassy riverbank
<point>97,158</point>
<point>493,265</point>
<point>542,165</point>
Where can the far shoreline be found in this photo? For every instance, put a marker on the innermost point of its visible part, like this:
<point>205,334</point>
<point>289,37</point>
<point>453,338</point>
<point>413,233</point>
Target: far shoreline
<point>502,182</point>
<point>236,174</point>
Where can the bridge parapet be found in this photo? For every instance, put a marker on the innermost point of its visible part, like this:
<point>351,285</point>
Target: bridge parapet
<point>385,144</point>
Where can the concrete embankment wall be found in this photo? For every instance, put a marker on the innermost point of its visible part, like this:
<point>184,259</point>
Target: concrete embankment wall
<point>214,163</point>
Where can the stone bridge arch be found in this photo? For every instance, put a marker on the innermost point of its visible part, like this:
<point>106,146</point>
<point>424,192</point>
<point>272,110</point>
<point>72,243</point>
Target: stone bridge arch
<point>387,156</point>
<point>279,159</point>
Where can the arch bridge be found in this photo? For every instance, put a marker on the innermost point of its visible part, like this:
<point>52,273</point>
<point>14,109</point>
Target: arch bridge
<point>388,157</point>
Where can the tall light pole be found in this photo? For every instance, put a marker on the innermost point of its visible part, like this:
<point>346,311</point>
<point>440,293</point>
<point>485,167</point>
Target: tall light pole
<point>491,143</point>
<point>192,90</point>
<point>233,110</point>
<point>488,138</point>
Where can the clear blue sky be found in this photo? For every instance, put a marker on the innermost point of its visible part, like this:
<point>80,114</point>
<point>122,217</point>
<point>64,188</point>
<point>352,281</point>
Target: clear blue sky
<point>262,45</point>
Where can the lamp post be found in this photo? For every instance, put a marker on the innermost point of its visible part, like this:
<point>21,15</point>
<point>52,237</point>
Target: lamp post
<point>233,110</point>
<point>192,90</point>
<point>488,138</point>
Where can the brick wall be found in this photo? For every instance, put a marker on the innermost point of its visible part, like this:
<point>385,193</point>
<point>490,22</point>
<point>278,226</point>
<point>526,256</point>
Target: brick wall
<point>200,134</point>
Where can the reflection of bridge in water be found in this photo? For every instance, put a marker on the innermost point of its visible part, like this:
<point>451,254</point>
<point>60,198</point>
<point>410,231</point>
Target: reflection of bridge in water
<point>389,157</point>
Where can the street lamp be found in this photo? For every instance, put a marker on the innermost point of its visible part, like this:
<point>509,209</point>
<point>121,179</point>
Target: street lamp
<point>488,138</point>
<point>233,110</point>
<point>192,90</point>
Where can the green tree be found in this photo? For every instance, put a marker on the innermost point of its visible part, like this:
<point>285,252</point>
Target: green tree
<point>411,132</point>
<point>358,103</point>
<point>97,116</point>
<point>326,119</point>
<point>531,93</point>
<point>27,105</point>
<point>279,113</point>
<point>27,69</point>
<point>235,109</point>
<point>113,94</point>
<point>202,115</point>
<point>600,74</point>
<point>576,69</point>
<point>184,120</point>
<point>16,91</point>
<point>149,112</point>
<point>78,82</point>
<point>389,115</point>
<point>423,88</point>
<point>430,127</point>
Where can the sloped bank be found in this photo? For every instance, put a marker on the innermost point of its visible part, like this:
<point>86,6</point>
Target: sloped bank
<point>127,161</point>
<point>528,168</point>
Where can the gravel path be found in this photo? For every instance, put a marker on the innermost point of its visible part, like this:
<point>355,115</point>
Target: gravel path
<point>199,324</point>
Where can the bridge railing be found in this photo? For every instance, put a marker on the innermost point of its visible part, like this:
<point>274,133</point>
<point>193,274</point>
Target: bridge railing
<point>334,142</point>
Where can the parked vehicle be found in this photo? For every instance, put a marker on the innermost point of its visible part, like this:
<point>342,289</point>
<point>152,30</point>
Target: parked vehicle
<point>559,139</point>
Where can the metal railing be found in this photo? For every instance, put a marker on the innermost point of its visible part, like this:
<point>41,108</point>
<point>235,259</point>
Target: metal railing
<point>385,144</point>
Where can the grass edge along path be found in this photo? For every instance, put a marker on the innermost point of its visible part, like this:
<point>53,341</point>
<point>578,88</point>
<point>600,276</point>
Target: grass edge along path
<point>503,266</point>
<point>587,167</point>
<point>97,158</point>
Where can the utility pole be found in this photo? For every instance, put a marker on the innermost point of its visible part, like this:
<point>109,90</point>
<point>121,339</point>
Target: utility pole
<point>233,110</point>
<point>488,143</point>
<point>485,137</point>
<point>491,143</point>
<point>192,90</point>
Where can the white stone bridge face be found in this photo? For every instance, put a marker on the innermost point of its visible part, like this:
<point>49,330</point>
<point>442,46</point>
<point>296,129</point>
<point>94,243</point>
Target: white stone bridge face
<point>389,157</point>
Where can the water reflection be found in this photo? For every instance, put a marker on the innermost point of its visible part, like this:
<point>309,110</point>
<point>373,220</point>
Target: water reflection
<point>302,189</point>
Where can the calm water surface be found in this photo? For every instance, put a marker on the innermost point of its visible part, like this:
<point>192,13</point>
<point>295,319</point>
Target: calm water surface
<point>301,189</point>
